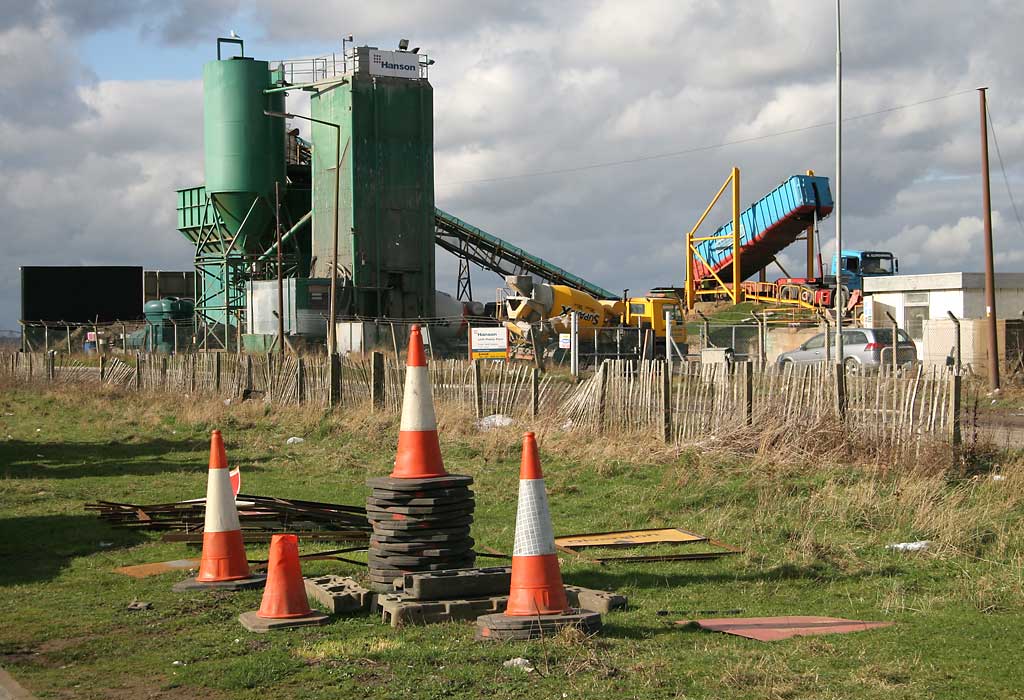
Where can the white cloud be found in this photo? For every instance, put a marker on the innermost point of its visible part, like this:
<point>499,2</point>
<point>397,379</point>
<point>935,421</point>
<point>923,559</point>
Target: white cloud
<point>90,164</point>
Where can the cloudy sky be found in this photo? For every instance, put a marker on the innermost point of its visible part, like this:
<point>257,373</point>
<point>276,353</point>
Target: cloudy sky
<point>537,106</point>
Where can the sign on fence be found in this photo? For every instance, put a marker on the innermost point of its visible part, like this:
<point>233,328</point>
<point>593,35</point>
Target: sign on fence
<point>488,344</point>
<point>565,341</point>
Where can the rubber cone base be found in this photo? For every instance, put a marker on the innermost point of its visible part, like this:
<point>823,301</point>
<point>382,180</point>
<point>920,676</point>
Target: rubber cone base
<point>254,623</point>
<point>501,627</point>
<point>238,584</point>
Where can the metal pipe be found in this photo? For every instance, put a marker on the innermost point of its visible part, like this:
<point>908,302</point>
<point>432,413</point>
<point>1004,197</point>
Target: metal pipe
<point>280,264</point>
<point>332,320</point>
<point>319,85</point>
<point>990,281</point>
<point>286,236</point>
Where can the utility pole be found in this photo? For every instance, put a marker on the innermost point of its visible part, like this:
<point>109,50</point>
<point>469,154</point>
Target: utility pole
<point>990,275</point>
<point>280,280</point>
<point>839,193</point>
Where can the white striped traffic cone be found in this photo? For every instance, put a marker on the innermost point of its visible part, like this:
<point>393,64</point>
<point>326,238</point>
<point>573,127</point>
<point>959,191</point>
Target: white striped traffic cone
<point>537,587</point>
<point>223,550</point>
<point>419,452</point>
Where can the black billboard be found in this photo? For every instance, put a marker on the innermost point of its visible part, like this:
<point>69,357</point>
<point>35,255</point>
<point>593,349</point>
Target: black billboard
<point>81,294</point>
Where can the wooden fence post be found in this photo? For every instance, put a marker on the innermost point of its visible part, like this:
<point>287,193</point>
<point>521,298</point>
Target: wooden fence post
<point>163,372</point>
<point>216,372</point>
<point>748,391</point>
<point>666,405</point>
<point>478,390</point>
<point>334,379</point>
<point>51,370</point>
<point>103,368</point>
<point>602,392</point>
<point>138,371</point>
<point>955,436</point>
<point>300,380</point>
<point>841,391</point>
<point>248,373</point>
<point>377,380</point>
<point>535,392</point>
<point>194,364</point>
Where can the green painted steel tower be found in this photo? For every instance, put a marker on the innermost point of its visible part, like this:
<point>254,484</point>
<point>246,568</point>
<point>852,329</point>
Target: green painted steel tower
<point>386,199</point>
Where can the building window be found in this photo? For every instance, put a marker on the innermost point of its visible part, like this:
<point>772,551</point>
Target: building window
<point>915,318</point>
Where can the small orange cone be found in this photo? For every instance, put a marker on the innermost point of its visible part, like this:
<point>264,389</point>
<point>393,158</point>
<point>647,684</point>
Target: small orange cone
<point>284,599</point>
<point>223,550</point>
<point>537,587</point>
<point>285,594</point>
<point>419,452</point>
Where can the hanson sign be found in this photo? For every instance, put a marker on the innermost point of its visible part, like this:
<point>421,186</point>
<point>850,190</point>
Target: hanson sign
<point>397,64</point>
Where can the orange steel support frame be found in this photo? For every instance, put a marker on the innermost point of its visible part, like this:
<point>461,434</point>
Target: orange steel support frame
<point>733,290</point>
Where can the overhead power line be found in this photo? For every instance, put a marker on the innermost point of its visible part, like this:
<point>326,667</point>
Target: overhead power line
<point>999,156</point>
<point>700,149</point>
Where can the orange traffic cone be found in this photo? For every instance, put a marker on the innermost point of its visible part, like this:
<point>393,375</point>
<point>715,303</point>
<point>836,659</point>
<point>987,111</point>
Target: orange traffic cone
<point>285,594</point>
<point>537,604</point>
<point>537,587</point>
<point>284,599</point>
<point>419,453</point>
<point>223,564</point>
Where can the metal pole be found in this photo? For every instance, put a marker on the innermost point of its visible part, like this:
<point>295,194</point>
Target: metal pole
<point>332,347</point>
<point>810,242</point>
<point>668,342</point>
<point>956,342</point>
<point>895,341</point>
<point>574,354</point>
<point>280,264</point>
<point>990,281</point>
<point>839,189</point>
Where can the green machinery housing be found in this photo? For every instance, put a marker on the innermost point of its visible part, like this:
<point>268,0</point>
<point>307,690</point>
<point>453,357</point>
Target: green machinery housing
<point>385,215</point>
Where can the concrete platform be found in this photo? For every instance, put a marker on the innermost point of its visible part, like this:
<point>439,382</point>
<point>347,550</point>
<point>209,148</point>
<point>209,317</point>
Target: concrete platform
<point>254,623</point>
<point>501,627</point>
<point>241,584</point>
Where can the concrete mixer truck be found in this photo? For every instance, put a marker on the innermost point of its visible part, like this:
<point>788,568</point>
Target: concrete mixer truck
<point>549,307</point>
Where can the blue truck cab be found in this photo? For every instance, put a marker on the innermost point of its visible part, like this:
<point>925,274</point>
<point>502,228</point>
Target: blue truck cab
<point>858,264</point>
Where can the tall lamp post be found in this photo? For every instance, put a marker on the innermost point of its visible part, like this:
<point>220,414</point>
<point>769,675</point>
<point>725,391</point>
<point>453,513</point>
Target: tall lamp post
<point>839,195</point>
<point>332,320</point>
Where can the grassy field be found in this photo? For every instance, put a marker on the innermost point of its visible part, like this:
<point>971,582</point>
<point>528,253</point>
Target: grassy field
<point>814,526</point>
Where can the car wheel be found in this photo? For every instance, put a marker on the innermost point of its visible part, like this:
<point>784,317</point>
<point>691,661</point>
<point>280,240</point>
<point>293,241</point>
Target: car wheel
<point>852,366</point>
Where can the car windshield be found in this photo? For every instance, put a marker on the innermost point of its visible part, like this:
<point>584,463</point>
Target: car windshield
<point>884,336</point>
<point>877,265</point>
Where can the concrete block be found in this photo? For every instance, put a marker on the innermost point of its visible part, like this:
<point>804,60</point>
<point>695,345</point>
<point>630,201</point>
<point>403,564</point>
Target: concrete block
<point>339,594</point>
<point>458,583</point>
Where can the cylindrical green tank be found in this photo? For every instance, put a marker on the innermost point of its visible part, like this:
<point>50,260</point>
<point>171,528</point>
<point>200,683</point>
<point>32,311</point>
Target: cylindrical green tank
<point>163,318</point>
<point>244,149</point>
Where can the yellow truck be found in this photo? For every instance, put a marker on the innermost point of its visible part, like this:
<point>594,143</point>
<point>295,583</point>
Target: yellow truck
<point>550,306</point>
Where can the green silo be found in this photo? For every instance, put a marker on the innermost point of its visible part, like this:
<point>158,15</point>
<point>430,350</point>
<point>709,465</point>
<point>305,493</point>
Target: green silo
<point>243,147</point>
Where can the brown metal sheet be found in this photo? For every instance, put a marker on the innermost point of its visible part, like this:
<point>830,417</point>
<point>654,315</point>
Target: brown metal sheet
<point>629,538</point>
<point>771,629</point>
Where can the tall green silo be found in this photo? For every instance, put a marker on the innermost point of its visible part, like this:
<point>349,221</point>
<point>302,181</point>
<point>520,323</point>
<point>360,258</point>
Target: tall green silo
<point>386,198</point>
<point>243,147</point>
<point>244,154</point>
